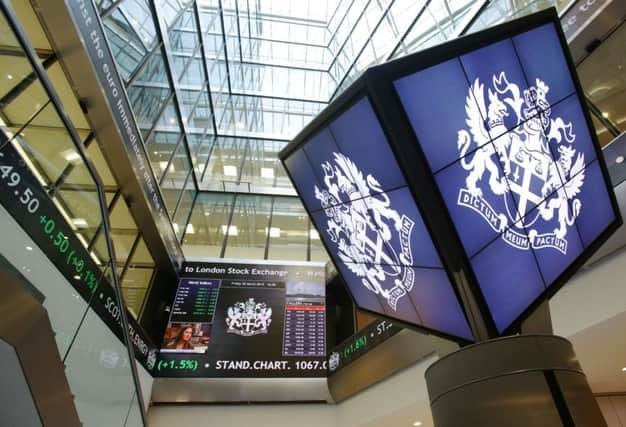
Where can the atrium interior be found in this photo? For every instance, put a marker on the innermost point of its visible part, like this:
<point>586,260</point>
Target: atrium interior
<point>215,90</point>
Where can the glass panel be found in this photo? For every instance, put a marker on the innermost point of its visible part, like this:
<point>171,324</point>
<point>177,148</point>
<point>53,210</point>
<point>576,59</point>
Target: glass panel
<point>123,232</point>
<point>318,252</point>
<point>149,92</point>
<point>210,218</point>
<point>249,227</point>
<point>184,206</point>
<point>65,310</point>
<point>289,216</point>
<point>603,77</point>
<point>78,200</point>
<point>131,35</point>
<point>174,180</point>
<point>98,373</point>
<point>159,148</point>
<point>135,286</point>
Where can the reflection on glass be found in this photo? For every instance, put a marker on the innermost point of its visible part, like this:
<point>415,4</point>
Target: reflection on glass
<point>603,78</point>
<point>289,241</point>
<point>251,219</point>
<point>210,219</point>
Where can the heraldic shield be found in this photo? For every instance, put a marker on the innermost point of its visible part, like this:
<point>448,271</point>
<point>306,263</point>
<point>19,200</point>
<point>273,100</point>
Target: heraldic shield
<point>457,188</point>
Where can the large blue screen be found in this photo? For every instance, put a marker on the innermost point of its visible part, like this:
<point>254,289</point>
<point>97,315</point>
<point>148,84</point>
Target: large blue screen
<point>504,133</point>
<point>359,200</point>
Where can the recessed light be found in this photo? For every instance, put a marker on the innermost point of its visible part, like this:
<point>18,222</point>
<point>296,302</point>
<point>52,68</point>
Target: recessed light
<point>605,115</point>
<point>9,76</point>
<point>267,173</point>
<point>29,248</point>
<point>624,369</point>
<point>314,235</point>
<point>417,423</point>
<point>77,277</point>
<point>274,231</point>
<point>80,222</point>
<point>190,229</point>
<point>71,156</point>
<point>230,170</point>
<point>230,230</point>
<point>619,159</point>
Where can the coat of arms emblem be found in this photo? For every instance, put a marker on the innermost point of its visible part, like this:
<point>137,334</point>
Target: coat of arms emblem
<point>373,240</point>
<point>538,163</point>
<point>333,361</point>
<point>248,318</point>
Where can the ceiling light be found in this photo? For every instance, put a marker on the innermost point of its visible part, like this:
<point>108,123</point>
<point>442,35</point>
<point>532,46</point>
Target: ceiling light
<point>605,115</point>
<point>80,222</point>
<point>417,423</point>
<point>207,213</point>
<point>70,155</point>
<point>172,121</point>
<point>95,257</point>
<point>624,369</point>
<point>175,227</point>
<point>314,235</point>
<point>619,159</point>
<point>240,125</point>
<point>29,248</point>
<point>190,229</point>
<point>10,76</point>
<point>232,230</point>
<point>163,165</point>
<point>274,231</point>
<point>77,277</point>
<point>267,173</point>
<point>230,170</point>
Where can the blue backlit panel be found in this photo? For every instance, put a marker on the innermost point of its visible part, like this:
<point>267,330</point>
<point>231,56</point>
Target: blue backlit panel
<point>470,170</point>
<point>506,138</point>
<point>350,181</point>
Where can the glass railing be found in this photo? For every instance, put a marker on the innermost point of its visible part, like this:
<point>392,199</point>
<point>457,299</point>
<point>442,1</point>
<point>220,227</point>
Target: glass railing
<point>52,204</point>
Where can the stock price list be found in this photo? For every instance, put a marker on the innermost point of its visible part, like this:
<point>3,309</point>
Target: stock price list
<point>196,300</point>
<point>305,327</point>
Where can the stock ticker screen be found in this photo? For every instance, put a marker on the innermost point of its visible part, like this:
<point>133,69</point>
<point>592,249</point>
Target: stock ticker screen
<point>357,196</point>
<point>246,320</point>
<point>504,133</point>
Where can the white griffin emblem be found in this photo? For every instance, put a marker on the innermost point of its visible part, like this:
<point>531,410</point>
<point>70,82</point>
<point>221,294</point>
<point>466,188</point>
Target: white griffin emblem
<point>152,357</point>
<point>333,361</point>
<point>527,163</point>
<point>249,318</point>
<point>374,240</point>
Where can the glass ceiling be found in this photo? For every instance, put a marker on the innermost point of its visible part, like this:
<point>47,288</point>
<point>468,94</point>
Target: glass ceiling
<point>219,87</point>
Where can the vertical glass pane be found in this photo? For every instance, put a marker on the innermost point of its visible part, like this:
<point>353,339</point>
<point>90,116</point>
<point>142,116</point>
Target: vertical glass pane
<point>149,92</point>
<point>131,35</point>
<point>291,219</point>
<point>184,206</point>
<point>210,218</point>
<point>318,252</point>
<point>249,227</point>
<point>99,375</point>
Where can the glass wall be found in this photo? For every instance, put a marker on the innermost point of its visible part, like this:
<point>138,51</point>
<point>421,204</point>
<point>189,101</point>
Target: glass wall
<point>220,88</point>
<point>28,113</point>
<point>46,127</point>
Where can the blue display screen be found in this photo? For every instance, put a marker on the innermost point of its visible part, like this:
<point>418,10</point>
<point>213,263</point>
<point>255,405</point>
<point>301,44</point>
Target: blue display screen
<point>504,133</point>
<point>350,181</point>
